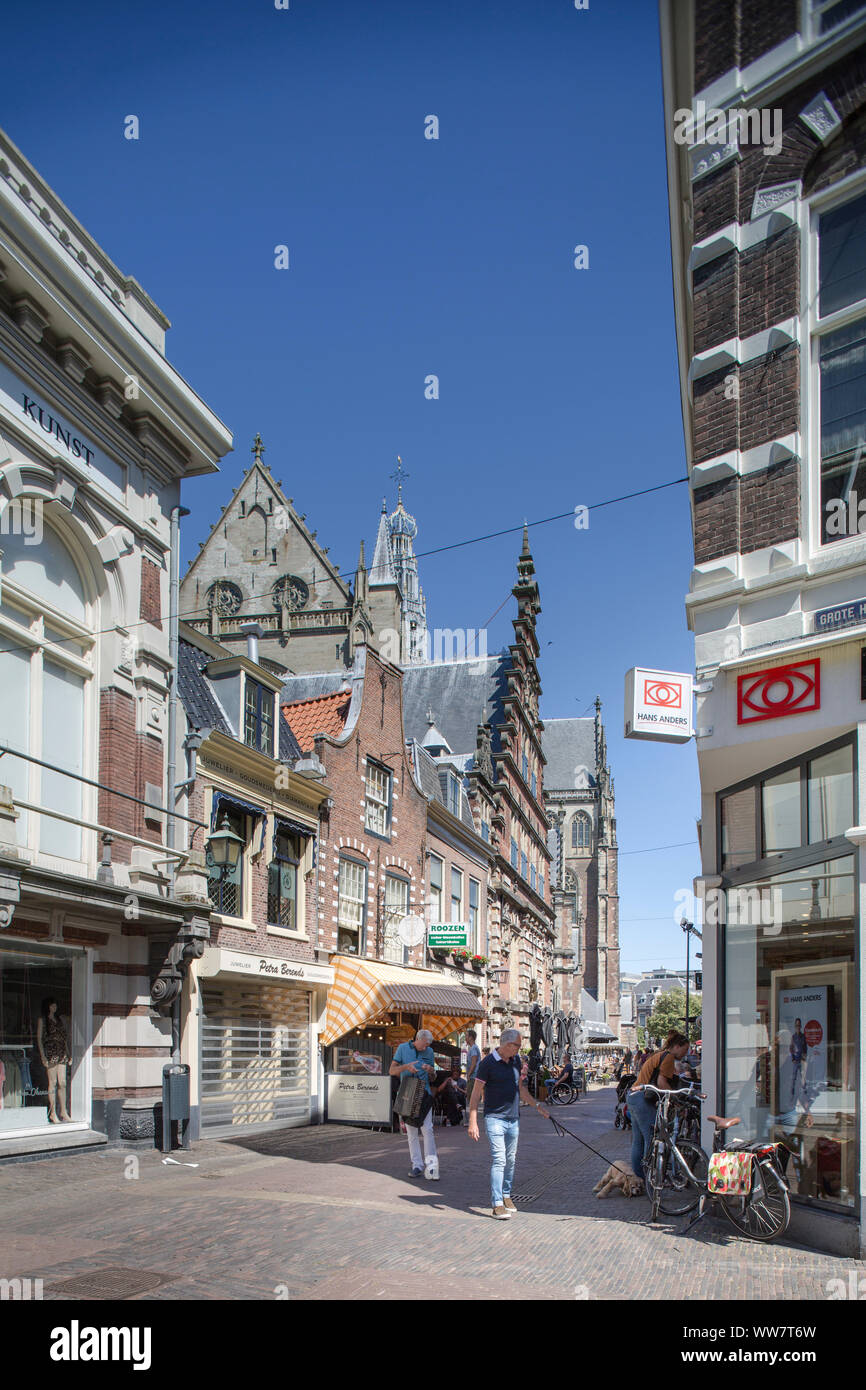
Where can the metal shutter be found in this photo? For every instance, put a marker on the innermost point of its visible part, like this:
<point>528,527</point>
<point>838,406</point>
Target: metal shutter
<point>255,1056</point>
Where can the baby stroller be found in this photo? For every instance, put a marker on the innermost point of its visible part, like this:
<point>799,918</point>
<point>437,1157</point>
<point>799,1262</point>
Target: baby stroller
<point>621,1118</point>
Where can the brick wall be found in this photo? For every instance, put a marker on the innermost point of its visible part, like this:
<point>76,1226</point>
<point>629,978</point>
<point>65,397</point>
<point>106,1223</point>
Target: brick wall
<point>715,414</point>
<point>763,24</point>
<point>378,734</point>
<point>715,301</point>
<point>734,33</point>
<point>150,607</point>
<point>769,283</point>
<point>769,397</point>
<point>127,761</point>
<point>716,520</point>
<point>769,507</point>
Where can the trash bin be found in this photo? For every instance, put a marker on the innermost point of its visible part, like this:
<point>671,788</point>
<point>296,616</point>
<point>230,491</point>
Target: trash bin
<point>175,1106</point>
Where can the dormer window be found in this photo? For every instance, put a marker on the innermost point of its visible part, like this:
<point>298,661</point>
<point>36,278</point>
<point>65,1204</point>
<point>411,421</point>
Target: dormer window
<point>258,717</point>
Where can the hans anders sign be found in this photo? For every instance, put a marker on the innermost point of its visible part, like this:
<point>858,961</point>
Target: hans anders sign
<point>658,705</point>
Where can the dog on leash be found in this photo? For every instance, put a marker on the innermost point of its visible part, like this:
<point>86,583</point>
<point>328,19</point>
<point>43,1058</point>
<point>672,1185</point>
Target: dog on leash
<point>619,1178</point>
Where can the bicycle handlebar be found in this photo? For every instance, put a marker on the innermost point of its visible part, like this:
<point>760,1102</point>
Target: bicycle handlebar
<point>680,1091</point>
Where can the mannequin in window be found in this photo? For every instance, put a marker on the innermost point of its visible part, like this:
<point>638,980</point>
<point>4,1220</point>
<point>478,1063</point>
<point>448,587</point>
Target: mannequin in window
<point>53,1044</point>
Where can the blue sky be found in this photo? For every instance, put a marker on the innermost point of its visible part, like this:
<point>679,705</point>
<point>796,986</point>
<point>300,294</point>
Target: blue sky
<point>410,257</point>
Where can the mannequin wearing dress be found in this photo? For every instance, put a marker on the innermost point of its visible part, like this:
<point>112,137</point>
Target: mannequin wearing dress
<point>53,1045</point>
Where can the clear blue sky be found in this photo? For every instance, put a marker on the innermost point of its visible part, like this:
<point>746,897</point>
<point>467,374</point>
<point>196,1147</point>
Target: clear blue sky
<point>305,127</point>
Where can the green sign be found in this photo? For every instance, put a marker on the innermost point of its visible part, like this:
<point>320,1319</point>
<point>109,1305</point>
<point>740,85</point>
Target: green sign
<point>448,934</point>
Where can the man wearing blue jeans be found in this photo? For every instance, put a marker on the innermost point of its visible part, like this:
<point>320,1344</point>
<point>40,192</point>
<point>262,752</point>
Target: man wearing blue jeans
<point>498,1081</point>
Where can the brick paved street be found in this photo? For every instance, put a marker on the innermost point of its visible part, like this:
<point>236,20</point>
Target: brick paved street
<point>330,1213</point>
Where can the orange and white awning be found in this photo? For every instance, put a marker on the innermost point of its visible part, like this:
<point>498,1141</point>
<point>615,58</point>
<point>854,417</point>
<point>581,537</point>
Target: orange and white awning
<point>366,989</point>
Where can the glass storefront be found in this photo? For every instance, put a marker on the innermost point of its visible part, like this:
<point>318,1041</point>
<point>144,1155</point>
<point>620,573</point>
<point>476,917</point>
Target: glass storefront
<point>42,1043</point>
<point>790,1001</point>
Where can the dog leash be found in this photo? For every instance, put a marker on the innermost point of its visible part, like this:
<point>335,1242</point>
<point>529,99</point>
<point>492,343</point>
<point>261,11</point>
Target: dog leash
<point>561,1129</point>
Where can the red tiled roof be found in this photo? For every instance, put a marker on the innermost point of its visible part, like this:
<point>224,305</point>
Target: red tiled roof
<point>324,714</point>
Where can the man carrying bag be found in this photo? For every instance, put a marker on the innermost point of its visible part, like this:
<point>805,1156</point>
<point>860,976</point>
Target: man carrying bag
<point>414,1061</point>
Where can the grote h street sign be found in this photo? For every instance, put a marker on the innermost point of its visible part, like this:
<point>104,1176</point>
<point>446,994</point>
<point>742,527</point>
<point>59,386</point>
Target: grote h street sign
<point>448,934</point>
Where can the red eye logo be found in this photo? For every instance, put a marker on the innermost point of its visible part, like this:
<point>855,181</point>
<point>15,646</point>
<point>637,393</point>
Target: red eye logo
<point>779,691</point>
<point>663,693</point>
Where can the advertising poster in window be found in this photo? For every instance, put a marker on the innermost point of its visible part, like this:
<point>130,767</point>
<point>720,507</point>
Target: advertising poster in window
<point>801,1042</point>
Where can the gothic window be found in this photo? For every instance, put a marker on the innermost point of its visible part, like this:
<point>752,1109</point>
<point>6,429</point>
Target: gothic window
<point>256,533</point>
<point>224,598</point>
<point>290,592</point>
<point>581,832</point>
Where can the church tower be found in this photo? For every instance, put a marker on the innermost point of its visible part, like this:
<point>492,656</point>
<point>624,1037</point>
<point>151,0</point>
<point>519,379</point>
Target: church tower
<point>396,602</point>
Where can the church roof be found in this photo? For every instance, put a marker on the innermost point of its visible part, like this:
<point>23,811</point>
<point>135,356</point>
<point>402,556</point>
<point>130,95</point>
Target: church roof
<point>461,695</point>
<point>382,569</point>
<point>569,747</point>
<point>323,714</point>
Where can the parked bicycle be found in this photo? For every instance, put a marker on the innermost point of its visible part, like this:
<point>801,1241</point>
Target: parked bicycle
<point>677,1172</point>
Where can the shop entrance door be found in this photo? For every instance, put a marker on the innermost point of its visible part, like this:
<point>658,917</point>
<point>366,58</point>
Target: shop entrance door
<point>255,1057</point>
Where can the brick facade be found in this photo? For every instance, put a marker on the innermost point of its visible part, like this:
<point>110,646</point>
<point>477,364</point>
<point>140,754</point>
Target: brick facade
<point>128,760</point>
<point>150,606</point>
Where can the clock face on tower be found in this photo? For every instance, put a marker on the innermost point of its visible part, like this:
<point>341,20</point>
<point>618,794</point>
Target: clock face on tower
<point>291,592</point>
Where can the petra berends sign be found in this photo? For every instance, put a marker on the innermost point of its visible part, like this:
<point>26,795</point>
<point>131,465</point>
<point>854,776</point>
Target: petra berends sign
<point>658,705</point>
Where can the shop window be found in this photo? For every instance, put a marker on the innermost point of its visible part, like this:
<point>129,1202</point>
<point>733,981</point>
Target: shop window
<point>44,691</point>
<point>258,717</point>
<point>780,812</point>
<point>352,907</point>
<point>396,908</point>
<point>226,886</point>
<point>456,895</point>
<point>42,1040</point>
<point>791,1022</point>
<point>738,828</point>
<point>842,365</point>
<point>831,794</point>
<point>436,880</point>
<point>377,804</point>
<point>474,915</point>
<point>283,882</point>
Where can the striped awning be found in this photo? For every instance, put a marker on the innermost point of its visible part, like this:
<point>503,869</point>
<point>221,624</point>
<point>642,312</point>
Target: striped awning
<point>366,989</point>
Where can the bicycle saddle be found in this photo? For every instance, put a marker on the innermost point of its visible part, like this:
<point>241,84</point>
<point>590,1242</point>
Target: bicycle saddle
<point>721,1123</point>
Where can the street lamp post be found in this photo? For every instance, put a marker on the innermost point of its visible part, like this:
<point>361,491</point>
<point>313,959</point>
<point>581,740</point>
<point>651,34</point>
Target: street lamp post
<point>224,847</point>
<point>690,930</point>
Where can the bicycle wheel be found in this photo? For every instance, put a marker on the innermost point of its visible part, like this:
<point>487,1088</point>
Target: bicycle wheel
<point>654,1168</point>
<point>766,1212</point>
<point>679,1194</point>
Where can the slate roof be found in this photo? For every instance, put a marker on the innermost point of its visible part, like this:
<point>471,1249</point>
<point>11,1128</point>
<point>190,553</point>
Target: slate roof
<point>427,773</point>
<point>323,714</point>
<point>569,745</point>
<point>461,694</point>
<point>203,709</point>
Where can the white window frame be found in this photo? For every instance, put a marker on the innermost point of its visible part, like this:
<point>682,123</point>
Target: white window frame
<point>812,20</point>
<point>30,637</point>
<point>344,898</point>
<point>456,874</point>
<point>813,329</point>
<point>395,910</point>
<point>436,895</point>
<point>377,799</point>
<point>474,915</point>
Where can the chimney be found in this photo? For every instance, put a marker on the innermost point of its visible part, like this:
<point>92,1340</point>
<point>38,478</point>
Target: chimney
<point>252,632</point>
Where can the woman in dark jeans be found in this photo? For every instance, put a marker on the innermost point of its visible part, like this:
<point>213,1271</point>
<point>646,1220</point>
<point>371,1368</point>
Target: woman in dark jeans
<point>642,1113</point>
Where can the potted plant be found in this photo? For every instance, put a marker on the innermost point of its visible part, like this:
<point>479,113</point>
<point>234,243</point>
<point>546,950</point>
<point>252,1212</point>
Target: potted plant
<point>478,963</point>
<point>441,953</point>
<point>461,956</point>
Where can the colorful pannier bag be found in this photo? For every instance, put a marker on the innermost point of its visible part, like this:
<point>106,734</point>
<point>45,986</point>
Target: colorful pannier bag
<point>731,1173</point>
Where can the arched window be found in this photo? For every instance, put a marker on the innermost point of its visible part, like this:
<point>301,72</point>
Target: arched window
<point>46,637</point>
<point>581,831</point>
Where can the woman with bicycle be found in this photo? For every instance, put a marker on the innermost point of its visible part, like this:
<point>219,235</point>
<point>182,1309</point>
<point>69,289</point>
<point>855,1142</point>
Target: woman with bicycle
<point>658,1070</point>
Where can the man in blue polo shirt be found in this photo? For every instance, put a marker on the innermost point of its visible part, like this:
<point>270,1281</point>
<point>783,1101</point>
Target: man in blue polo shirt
<point>498,1081</point>
<point>417,1058</point>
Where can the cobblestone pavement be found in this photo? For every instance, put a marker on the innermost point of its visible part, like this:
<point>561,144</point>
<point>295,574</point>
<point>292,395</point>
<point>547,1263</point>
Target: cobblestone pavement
<point>330,1213</point>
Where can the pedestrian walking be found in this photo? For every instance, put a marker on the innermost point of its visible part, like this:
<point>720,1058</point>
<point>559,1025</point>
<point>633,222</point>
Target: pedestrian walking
<point>659,1069</point>
<point>417,1058</point>
<point>499,1082</point>
<point>473,1060</point>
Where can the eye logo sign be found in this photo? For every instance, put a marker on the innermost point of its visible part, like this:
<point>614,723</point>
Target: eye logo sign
<point>666,694</point>
<point>779,691</point>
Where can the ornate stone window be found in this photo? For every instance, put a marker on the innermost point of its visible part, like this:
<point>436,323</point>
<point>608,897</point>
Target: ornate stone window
<point>581,832</point>
<point>290,592</point>
<point>224,598</point>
